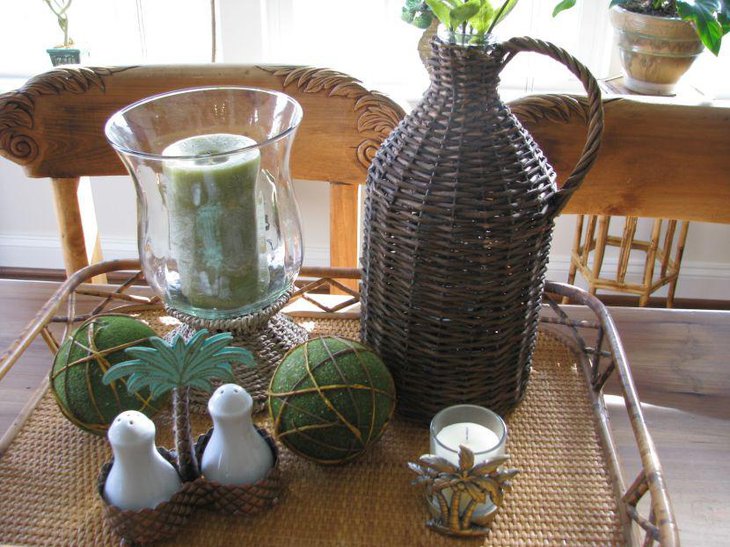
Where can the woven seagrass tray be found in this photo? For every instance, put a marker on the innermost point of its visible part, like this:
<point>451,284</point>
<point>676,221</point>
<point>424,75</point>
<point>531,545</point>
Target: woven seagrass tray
<point>569,490</point>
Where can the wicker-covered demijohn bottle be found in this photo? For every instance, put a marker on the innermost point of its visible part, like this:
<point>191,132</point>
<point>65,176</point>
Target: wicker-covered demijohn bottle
<point>459,212</point>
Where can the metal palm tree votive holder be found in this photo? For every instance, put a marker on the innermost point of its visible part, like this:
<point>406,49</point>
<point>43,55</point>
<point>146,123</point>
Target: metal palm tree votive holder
<point>463,478</point>
<point>218,226</point>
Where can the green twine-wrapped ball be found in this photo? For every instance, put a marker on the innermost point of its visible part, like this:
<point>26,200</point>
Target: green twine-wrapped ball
<point>330,399</point>
<point>80,364</point>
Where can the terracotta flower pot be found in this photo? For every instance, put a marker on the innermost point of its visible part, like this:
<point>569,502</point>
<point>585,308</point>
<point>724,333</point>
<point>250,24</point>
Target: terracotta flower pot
<point>655,51</point>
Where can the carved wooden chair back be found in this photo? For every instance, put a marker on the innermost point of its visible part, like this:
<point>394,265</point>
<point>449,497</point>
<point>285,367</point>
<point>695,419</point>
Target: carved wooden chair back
<point>659,159</point>
<point>54,127</point>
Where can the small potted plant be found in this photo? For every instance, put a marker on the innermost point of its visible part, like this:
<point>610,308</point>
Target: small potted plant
<point>64,53</point>
<point>418,14</point>
<point>476,18</point>
<point>659,39</point>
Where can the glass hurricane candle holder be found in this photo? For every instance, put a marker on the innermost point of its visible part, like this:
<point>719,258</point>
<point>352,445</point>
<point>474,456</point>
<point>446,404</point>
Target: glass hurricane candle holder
<point>218,227</point>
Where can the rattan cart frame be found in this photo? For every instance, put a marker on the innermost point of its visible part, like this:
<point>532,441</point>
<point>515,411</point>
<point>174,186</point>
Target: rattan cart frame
<point>603,358</point>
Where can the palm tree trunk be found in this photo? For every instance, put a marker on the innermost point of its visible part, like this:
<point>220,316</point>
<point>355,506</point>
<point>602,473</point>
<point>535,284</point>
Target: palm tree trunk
<point>443,507</point>
<point>466,518</point>
<point>186,461</point>
<point>454,511</point>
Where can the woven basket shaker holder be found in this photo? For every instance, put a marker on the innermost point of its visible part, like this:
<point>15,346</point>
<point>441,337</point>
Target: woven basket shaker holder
<point>150,525</point>
<point>165,520</point>
<point>245,499</point>
<point>460,204</point>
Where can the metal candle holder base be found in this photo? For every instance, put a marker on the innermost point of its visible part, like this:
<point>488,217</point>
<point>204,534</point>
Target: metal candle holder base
<point>267,334</point>
<point>454,492</point>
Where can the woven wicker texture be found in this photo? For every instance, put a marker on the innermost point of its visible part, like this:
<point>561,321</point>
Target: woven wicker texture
<point>563,493</point>
<point>458,221</point>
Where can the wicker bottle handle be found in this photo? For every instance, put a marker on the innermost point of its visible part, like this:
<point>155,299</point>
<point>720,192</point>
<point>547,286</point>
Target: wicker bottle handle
<point>595,110</point>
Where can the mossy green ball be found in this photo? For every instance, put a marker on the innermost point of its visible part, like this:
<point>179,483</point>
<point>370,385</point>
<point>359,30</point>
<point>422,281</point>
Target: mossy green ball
<point>330,399</point>
<point>80,364</point>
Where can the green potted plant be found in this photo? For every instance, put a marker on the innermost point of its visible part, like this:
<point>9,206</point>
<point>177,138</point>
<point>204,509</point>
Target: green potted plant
<point>64,53</point>
<point>418,14</point>
<point>659,39</point>
<point>475,18</point>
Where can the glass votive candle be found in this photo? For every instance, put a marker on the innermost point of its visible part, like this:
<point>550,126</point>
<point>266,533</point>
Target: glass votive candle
<point>477,428</point>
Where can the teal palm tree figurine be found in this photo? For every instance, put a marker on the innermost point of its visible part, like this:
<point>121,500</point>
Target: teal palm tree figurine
<point>178,366</point>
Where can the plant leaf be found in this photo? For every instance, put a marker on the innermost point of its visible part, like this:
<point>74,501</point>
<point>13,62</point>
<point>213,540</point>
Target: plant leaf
<point>441,10</point>
<point>407,15</point>
<point>240,355</point>
<point>120,370</point>
<point>466,458</point>
<point>482,20</point>
<point>563,5</point>
<point>160,389</point>
<point>210,347</point>
<point>423,20</point>
<point>703,14</point>
<point>201,384</point>
<point>437,463</point>
<point>462,13</point>
<point>505,12</point>
<point>209,371</point>
<point>723,16</point>
<point>489,466</point>
<point>476,493</point>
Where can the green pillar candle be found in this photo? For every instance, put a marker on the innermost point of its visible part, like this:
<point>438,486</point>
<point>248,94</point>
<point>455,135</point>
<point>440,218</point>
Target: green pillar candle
<point>213,220</point>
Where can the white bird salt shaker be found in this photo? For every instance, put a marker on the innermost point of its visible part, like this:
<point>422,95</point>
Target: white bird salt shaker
<point>236,453</point>
<point>140,477</point>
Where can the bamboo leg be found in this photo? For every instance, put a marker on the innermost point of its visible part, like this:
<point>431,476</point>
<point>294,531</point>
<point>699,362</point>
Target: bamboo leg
<point>627,240</point>
<point>344,223</point>
<point>668,240</point>
<point>650,261</point>
<point>576,247</point>
<point>588,241</point>
<point>573,268</point>
<point>77,224</point>
<point>603,224</point>
<point>684,228</point>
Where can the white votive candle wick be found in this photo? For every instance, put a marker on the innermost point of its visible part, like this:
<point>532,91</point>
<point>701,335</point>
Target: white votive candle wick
<point>475,437</point>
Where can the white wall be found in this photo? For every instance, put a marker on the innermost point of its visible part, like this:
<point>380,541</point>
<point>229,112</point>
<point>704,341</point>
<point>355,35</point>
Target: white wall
<point>28,233</point>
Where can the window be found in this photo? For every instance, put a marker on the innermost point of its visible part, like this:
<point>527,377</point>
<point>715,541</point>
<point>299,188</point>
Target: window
<point>368,40</point>
<point>364,38</point>
<point>107,32</point>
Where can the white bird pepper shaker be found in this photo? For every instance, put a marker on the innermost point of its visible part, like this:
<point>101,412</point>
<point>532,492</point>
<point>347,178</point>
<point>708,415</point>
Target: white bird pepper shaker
<point>236,453</point>
<point>140,477</point>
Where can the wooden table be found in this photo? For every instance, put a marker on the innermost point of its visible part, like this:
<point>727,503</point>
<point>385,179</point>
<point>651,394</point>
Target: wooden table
<point>679,362</point>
